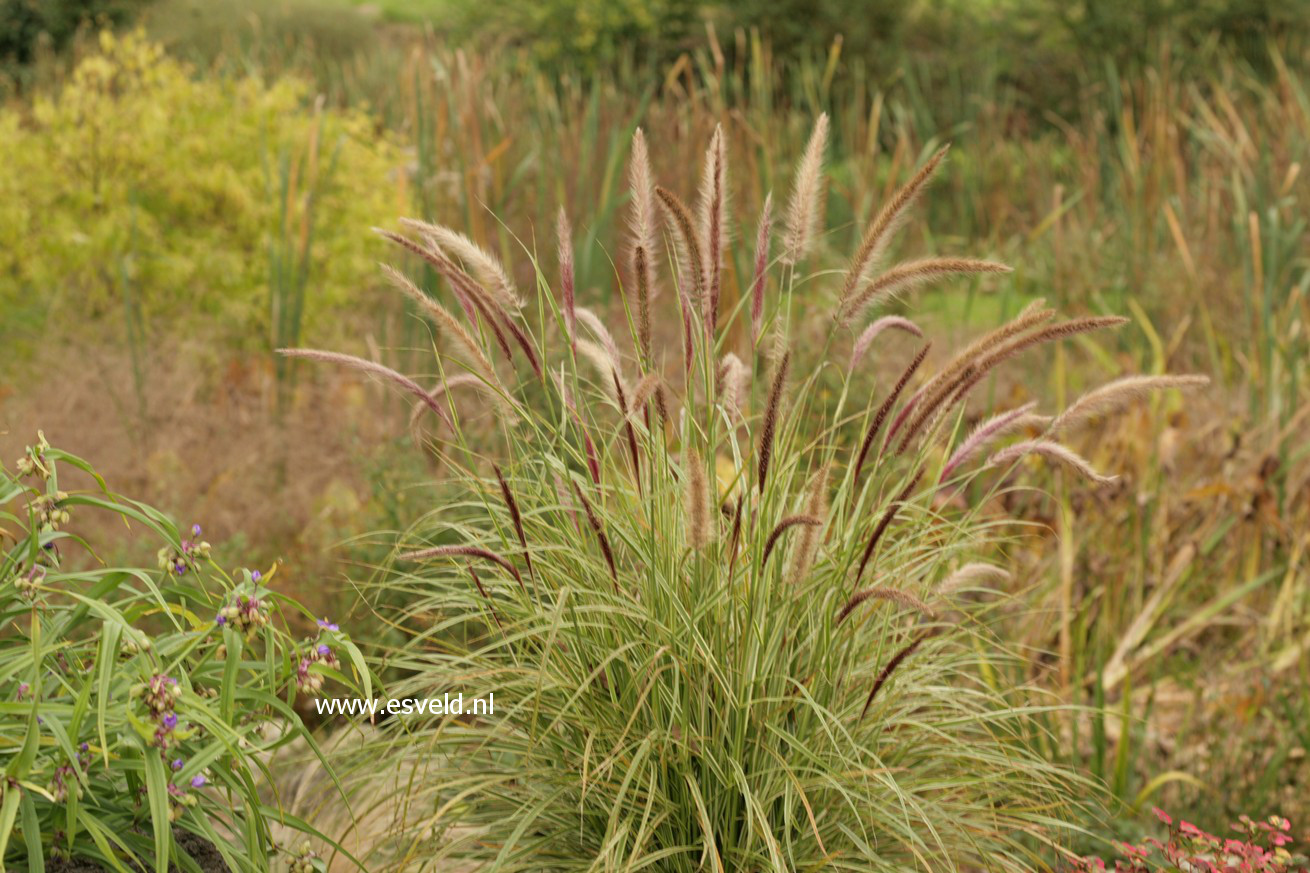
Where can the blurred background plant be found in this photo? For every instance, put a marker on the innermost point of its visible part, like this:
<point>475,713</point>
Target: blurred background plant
<point>1146,158</point>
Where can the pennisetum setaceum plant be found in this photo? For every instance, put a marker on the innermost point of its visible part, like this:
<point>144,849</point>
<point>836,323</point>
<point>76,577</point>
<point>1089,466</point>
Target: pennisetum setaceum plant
<point>725,619</point>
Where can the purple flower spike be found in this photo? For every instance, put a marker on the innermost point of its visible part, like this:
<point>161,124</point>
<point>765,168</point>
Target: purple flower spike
<point>197,781</point>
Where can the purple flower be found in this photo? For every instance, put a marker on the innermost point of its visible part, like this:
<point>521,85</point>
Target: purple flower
<point>84,747</point>
<point>327,625</point>
<point>169,721</point>
<point>324,650</point>
<point>255,575</point>
<point>221,620</point>
<point>195,530</point>
<point>23,688</point>
<point>197,781</point>
<point>177,764</point>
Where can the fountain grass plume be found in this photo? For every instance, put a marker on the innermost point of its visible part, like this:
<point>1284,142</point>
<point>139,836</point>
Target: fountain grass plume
<point>1052,451</point>
<point>805,208</point>
<point>875,424</point>
<point>892,215</point>
<point>760,277</point>
<point>712,220</point>
<point>491,274</point>
<point>564,236</point>
<point>693,260</point>
<point>882,592</point>
<point>870,333</point>
<point>373,369</point>
<point>909,275</point>
<point>642,231</point>
<point>1110,398</point>
<point>771,414</point>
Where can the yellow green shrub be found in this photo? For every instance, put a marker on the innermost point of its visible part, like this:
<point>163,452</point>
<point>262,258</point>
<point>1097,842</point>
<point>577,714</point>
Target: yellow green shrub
<point>136,181</point>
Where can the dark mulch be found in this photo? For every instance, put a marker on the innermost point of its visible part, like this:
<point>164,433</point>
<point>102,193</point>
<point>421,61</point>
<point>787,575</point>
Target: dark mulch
<point>201,850</point>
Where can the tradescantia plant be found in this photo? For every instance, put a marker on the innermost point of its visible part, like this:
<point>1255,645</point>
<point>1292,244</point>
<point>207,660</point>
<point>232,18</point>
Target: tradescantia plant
<point>136,703</point>
<point>722,607</point>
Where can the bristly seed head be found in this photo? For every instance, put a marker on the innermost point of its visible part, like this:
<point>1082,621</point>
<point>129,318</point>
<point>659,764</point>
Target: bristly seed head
<point>564,236</point>
<point>805,209</point>
<point>806,547</point>
<point>713,218</point>
<point>771,414</point>
<point>891,217</point>
<point>696,500</point>
<point>1050,450</point>
<point>693,260</point>
<point>762,238</point>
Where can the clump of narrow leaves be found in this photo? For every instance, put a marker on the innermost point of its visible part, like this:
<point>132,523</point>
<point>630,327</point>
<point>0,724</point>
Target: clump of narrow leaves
<point>724,605</point>
<point>137,703</point>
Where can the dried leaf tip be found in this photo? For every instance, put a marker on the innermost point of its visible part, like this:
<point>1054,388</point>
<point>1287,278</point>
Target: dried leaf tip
<point>804,210</point>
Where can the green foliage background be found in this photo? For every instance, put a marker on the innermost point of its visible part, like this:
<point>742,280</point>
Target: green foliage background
<point>137,182</point>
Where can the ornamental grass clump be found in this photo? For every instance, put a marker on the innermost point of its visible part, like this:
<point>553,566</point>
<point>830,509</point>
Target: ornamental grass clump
<point>722,615</point>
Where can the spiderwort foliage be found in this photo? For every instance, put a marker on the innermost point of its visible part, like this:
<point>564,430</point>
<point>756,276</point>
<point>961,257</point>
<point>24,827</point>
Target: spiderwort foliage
<point>135,701</point>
